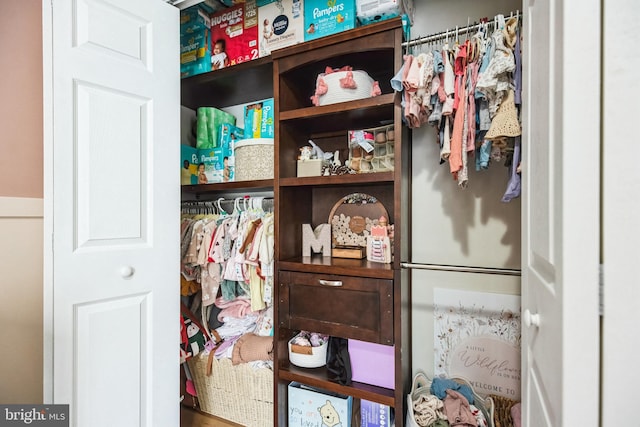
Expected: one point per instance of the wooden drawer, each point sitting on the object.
(343, 306)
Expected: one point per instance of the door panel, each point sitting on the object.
(112, 128)
(94, 321)
(560, 219)
(112, 211)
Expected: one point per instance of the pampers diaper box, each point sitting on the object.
(229, 136)
(189, 161)
(234, 32)
(281, 24)
(195, 41)
(325, 17)
(258, 119)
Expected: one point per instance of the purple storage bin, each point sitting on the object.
(372, 363)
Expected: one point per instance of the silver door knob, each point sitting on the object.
(127, 271)
(531, 318)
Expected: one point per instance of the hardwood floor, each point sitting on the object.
(193, 418)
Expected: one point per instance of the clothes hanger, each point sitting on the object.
(219, 206)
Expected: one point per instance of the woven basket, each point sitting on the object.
(238, 393)
(502, 416)
(254, 159)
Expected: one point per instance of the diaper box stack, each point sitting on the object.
(234, 35)
(326, 17)
(281, 24)
(195, 41)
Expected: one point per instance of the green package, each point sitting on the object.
(209, 120)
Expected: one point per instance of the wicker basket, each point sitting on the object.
(502, 416)
(238, 393)
(254, 159)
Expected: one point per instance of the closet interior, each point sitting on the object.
(455, 223)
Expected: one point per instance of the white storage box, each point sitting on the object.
(308, 357)
(254, 159)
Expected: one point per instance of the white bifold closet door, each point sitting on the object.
(112, 200)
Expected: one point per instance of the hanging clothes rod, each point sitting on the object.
(454, 32)
(461, 269)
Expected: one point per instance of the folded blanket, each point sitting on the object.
(250, 347)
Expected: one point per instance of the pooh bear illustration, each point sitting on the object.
(330, 417)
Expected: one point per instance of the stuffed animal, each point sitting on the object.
(330, 417)
(195, 336)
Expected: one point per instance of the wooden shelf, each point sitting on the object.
(360, 114)
(238, 84)
(341, 297)
(338, 266)
(351, 179)
(318, 378)
(234, 187)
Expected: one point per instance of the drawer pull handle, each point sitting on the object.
(331, 282)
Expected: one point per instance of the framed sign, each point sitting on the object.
(477, 337)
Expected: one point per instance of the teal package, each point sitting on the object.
(229, 136)
(195, 41)
(259, 120)
(326, 17)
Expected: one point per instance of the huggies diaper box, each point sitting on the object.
(195, 41)
(281, 24)
(325, 17)
(234, 35)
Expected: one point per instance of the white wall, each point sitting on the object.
(451, 226)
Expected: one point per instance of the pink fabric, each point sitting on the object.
(347, 81)
(516, 414)
(457, 410)
(460, 65)
(238, 307)
(321, 88)
(471, 106)
(375, 90)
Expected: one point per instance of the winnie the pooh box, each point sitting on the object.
(314, 407)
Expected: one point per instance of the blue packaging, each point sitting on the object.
(229, 136)
(258, 119)
(195, 41)
(326, 17)
(188, 165)
(374, 414)
(370, 11)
